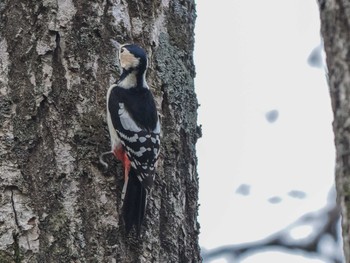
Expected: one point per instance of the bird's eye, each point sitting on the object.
(122, 50)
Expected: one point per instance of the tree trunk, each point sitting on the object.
(335, 28)
(57, 60)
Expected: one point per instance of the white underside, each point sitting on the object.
(115, 141)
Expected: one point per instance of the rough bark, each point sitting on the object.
(335, 28)
(57, 59)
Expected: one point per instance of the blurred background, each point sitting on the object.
(266, 158)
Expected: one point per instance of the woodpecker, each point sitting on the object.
(134, 129)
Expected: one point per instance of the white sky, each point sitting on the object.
(251, 57)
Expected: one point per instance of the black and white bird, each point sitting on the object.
(134, 128)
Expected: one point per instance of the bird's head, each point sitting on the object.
(132, 57)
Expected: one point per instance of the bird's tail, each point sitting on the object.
(134, 202)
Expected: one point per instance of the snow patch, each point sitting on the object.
(301, 232)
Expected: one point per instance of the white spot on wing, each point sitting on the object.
(142, 139)
(130, 139)
(136, 153)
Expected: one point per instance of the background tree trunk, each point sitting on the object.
(335, 28)
(57, 59)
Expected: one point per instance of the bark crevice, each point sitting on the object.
(14, 210)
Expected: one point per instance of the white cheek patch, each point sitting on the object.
(128, 60)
